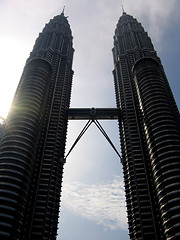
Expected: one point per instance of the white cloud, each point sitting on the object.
(103, 204)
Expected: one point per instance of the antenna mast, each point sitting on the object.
(122, 9)
(63, 9)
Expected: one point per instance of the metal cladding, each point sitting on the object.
(150, 135)
(162, 129)
(33, 141)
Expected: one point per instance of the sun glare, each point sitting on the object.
(13, 56)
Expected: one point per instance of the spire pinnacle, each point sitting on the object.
(123, 10)
(63, 10)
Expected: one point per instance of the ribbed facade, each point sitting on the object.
(1, 129)
(33, 142)
(150, 135)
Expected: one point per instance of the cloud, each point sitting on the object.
(156, 15)
(93, 25)
(103, 204)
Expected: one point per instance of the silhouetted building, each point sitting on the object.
(150, 135)
(33, 140)
(33, 143)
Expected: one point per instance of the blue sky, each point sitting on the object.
(93, 203)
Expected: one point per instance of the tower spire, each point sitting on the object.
(123, 10)
(63, 10)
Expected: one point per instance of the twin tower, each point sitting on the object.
(33, 141)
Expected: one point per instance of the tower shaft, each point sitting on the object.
(135, 95)
(33, 142)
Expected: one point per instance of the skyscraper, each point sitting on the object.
(150, 135)
(33, 142)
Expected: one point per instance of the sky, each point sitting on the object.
(93, 201)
